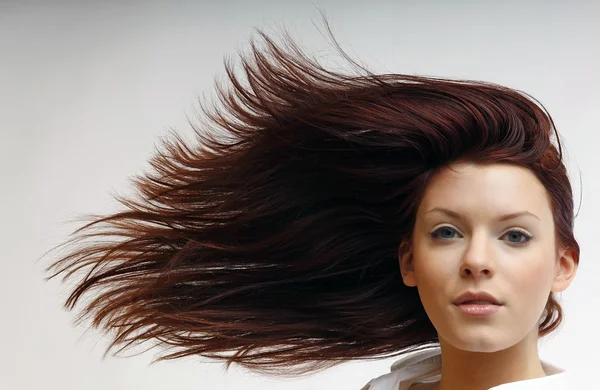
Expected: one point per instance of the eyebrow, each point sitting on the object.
(501, 218)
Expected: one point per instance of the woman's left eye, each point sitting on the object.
(518, 237)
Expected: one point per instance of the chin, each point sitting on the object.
(482, 346)
(480, 340)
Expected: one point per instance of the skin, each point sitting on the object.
(473, 249)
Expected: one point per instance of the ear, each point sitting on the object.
(405, 258)
(566, 268)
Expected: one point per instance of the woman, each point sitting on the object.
(325, 217)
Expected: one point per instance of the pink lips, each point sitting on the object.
(477, 304)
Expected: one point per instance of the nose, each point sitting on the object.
(478, 261)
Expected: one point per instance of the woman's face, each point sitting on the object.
(485, 229)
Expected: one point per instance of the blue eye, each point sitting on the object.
(448, 233)
(443, 233)
(518, 236)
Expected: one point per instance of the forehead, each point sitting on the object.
(493, 188)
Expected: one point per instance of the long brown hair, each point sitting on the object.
(273, 241)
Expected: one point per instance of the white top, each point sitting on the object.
(425, 366)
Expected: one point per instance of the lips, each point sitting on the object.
(476, 298)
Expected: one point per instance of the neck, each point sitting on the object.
(484, 370)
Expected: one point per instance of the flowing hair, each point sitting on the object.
(273, 242)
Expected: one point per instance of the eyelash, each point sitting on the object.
(527, 236)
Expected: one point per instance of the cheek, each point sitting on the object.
(433, 276)
(431, 273)
(435, 266)
(532, 279)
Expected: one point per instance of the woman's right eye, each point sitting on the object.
(443, 233)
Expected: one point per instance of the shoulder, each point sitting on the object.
(422, 364)
(366, 387)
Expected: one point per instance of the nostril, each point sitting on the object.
(468, 272)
